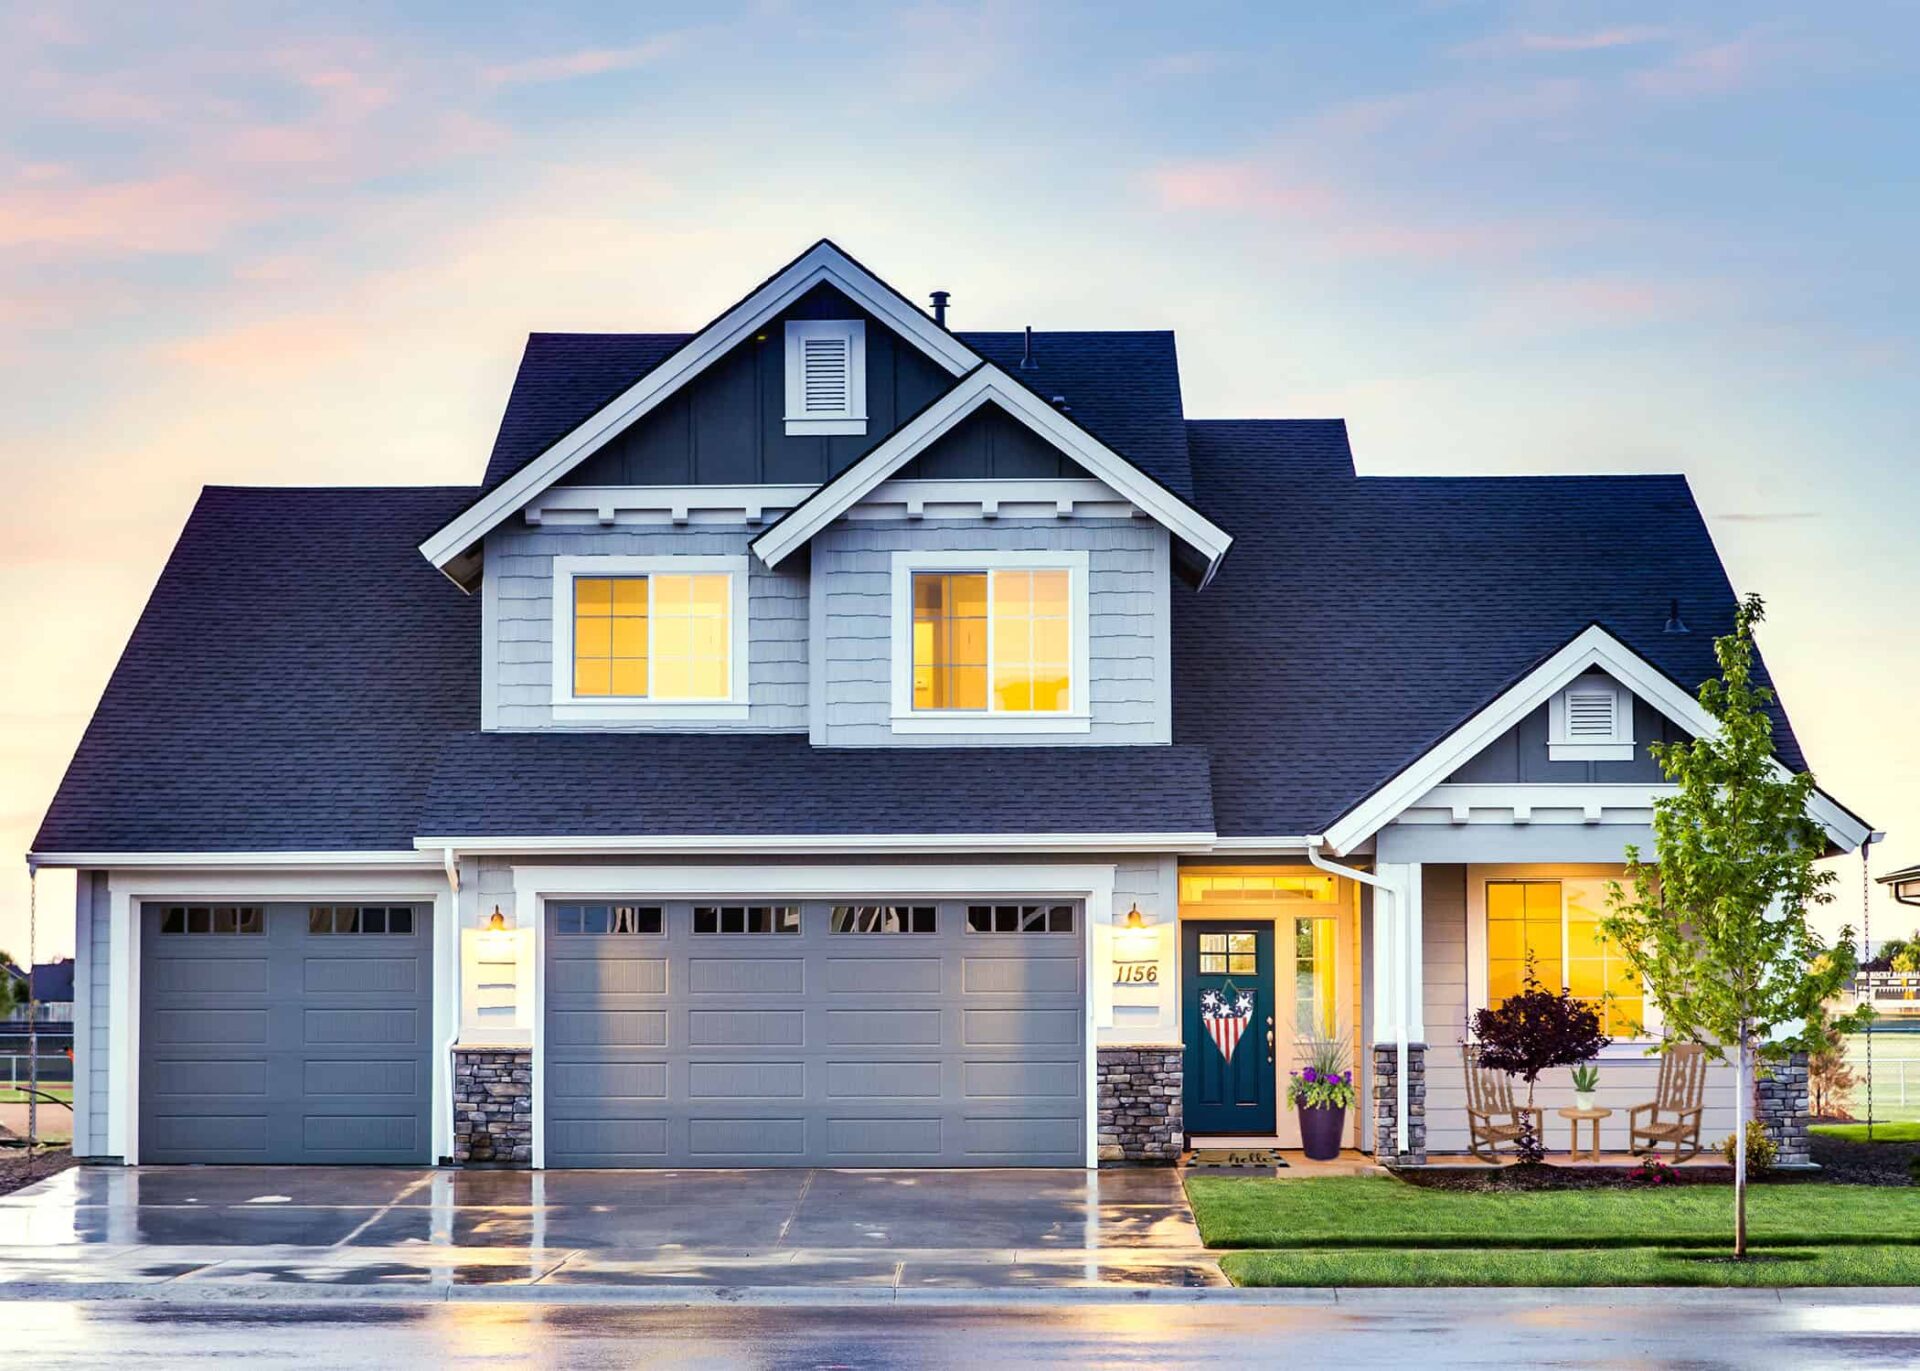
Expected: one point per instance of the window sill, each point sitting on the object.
(992, 723)
(587, 711)
(797, 428)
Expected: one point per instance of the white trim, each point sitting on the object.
(823, 263)
(1532, 802)
(239, 861)
(851, 417)
(83, 1063)
(995, 497)
(566, 705)
(1617, 746)
(1593, 647)
(534, 885)
(608, 506)
(1478, 875)
(126, 891)
(988, 383)
(777, 844)
(1076, 718)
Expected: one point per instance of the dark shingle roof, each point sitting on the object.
(289, 685)
(1365, 618)
(533, 784)
(1124, 388)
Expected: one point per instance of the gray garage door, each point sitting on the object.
(285, 1033)
(806, 1033)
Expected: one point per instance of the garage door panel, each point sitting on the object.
(772, 1080)
(869, 1046)
(746, 1028)
(746, 975)
(870, 976)
(613, 976)
(281, 1033)
(884, 1081)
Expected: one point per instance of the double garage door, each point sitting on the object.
(940, 1033)
(937, 1033)
(286, 1033)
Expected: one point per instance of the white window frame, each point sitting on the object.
(852, 419)
(1563, 748)
(568, 706)
(1074, 719)
(1478, 878)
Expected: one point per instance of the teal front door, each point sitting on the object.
(1227, 1014)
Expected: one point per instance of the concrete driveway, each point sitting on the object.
(106, 1230)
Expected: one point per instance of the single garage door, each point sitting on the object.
(285, 1033)
(807, 1033)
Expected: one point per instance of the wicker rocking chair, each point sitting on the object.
(1493, 1118)
(1673, 1118)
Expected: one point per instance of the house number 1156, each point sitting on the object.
(1136, 973)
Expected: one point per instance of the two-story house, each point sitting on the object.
(829, 737)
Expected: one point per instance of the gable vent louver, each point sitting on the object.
(826, 371)
(1591, 715)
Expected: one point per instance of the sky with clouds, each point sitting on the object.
(295, 245)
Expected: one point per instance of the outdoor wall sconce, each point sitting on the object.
(498, 922)
(1136, 950)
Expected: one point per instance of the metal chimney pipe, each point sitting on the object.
(940, 298)
(1026, 356)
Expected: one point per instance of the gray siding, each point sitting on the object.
(1443, 932)
(1520, 754)
(1127, 604)
(93, 936)
(728, 425)
(519, 563)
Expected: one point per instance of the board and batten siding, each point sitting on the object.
(1626, 1078)
(1129, 697)
(518, 603)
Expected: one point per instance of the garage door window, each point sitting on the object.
(220, 919)
(1019, 918)
(607, 920)
(751, 918)
(349, 920)
(883, 918)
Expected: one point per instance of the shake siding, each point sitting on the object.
(1127, 605)
(520, 564)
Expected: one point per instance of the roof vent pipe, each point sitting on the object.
(1675, 624)
(940, 298)
(1026, 356)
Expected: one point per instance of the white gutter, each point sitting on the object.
(1396, 974)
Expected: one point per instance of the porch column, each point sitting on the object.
(1398, 1093)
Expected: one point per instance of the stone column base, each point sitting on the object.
(493, 1106)
(1386, 1094)
(1780, 1102)
(1140, 1104)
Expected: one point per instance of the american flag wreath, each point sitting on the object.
(1226, 1018)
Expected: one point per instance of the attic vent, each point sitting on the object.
(1591, 721)
(826, 376)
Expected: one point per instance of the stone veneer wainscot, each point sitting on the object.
(1386, 1073)
(1140, 1104)
(492, 1106)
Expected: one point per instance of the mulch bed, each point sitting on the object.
(16, 1170)
(1859, 1163)
(1547, 1176)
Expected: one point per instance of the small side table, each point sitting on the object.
(1574, 1118)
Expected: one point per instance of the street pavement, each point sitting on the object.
(1693, 1330)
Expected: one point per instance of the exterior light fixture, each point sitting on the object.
(498, 922)
(1135, 919)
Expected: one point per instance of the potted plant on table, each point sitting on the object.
(1586, 1080)
(1321, 1092)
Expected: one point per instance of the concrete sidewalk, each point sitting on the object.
(266, 1232)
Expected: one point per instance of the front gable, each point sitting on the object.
(455, 547)
(1500, 763)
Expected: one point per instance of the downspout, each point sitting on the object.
(1397, 978)
(457, 975)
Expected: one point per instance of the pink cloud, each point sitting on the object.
(180, 212)
(586, 62)
(1709, 70)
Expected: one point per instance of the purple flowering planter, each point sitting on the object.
(1320, 1130)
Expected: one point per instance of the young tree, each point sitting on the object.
(1717, 929)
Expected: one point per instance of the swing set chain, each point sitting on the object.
(1866, 937)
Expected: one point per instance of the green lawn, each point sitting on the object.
(1365, 1230)
(63, 1091)
(1882, 1132)
(1588, 1266)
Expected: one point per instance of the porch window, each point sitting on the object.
(1558, 924)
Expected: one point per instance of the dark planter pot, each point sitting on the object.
(1320, 1131)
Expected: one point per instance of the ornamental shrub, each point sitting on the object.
(1761, 1151)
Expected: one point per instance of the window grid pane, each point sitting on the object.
(746, 919)
(1020, 918)
(610, 636)
(949, 640)
(1030, 642)
(1522, 917)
